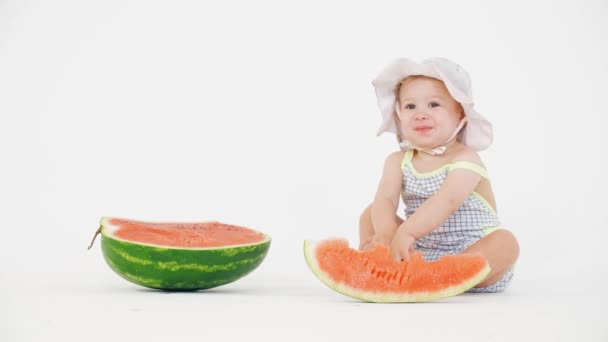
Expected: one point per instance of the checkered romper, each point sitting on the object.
(474, 219)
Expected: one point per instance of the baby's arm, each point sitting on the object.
(457, 186)
(386, 201)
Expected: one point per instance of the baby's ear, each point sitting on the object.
(397, 122)
(399, 132)
(461, 111)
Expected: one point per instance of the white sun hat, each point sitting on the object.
(477, 133)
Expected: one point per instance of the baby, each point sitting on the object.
(450, 207)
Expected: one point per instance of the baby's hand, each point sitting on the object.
(402, 245)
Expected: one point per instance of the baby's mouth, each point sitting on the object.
(423, 129)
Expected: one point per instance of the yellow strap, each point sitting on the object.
(407, 156)
(469, 166)
(490, 230)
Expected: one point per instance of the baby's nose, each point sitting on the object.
(421, 116)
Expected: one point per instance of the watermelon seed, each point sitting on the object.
(94, 237)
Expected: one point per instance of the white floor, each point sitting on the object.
(100, 306)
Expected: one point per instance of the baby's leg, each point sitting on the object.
(501, 250)
(366, 227)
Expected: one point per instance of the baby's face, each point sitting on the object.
(428, 114)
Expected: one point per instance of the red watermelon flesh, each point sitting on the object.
(375, 276)
(185, 235)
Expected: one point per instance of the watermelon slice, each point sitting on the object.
(374, 276)
(180, 256)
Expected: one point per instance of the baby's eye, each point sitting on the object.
(433, 104)
(410, 106)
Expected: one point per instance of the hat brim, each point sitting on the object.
(478, 133)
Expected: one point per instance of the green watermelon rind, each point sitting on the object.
(179, 269)
(386, 297)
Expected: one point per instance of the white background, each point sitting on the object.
(262, 114)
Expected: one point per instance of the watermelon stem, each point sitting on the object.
(94, 237)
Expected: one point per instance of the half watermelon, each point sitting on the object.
(181, 256)
(374, 276)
